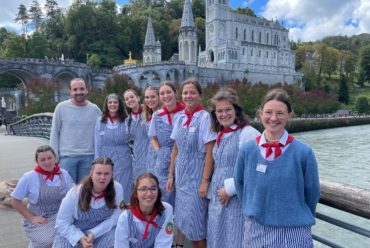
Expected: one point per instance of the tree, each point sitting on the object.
(35, 14)
(343, 94)
(362, 104)
(52, 9)
(365, 62)
(22, 17)
(330, 61)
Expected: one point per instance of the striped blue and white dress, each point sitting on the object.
(112, 140)
(86, 221)
(72, 223)
(136, 236)
(42, 235)
(226, 224)
(190, 208)
(163, 132)
(138, 130)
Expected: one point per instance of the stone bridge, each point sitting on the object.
(60, 70)
(152, 74)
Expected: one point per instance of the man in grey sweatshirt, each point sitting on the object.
(72, 131)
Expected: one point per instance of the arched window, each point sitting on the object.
(267, 38)
(236, 33)
(260, 37)
(245, 34)
(252, 36)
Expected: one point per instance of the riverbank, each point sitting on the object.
(309, 124)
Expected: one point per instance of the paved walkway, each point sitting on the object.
(16, 157)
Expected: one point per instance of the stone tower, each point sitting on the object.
(152, 49)
(217, 26)
(188, 40)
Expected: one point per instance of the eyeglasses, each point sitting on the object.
(145, 190)
(279, 114)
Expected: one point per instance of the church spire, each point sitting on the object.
(149, 37)
(187, 15)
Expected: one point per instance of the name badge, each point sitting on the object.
(102, 133)
(261, 168)
(191, 129)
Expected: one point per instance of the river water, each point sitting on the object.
(343, 155)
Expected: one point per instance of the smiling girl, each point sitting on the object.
(147, 222)
(112, 140)
(277, 181)
(225, 218)
(191, 165)
(44, 186)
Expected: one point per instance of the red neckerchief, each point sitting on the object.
(138, 112)
(149, 119)
(99, 196)
(137, 213)
(49, 174)
(222, 132)
(179, 106)
(112, 118)
(190, 114)
(276, 145)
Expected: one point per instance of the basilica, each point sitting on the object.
(238, 46)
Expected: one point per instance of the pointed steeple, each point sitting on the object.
(149, 37)
(187, 15)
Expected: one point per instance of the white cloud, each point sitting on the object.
(311, 20)
(9, 10)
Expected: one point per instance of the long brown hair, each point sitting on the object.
(148, 112)
(121, 112)
(230, 95)
(134, 201)
(87, 187)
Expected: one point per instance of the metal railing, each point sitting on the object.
(37, 125)
(351, 199)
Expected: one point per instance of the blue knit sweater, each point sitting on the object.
(286, 194)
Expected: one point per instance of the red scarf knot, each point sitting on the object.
(190, 114)
(112, 118)
(137, 213)
(179, 106)
(276, 145)
(49, 174)
(223, 131)
(99, 196)
(138, 112)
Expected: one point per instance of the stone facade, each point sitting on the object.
(237, 46)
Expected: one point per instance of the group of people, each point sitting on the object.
(145, 170)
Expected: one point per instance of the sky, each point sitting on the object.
(307, 20)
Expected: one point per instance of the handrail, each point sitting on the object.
(348, 198)
(37, 125)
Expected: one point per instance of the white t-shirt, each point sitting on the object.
(29, 185)
(68, 212)
(205, 134)
(152, 128)
(248, 133)
(164, 238)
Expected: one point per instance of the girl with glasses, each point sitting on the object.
(277, 181)
(147, 222)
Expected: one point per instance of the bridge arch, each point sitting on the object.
(149, 77)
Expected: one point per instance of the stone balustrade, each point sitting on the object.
(37, 125)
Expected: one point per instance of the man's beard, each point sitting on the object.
(80, 98)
